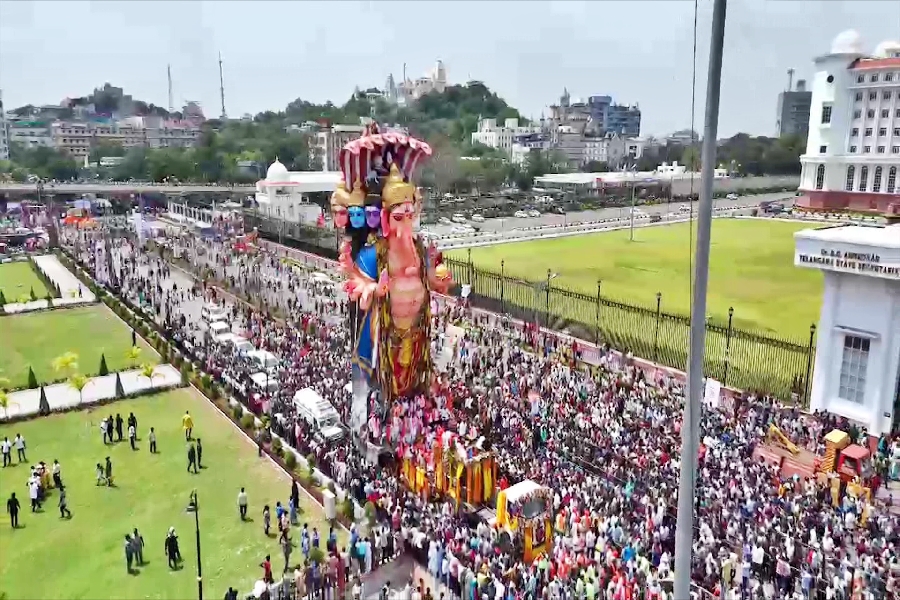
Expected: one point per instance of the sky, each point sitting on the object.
(639, 52)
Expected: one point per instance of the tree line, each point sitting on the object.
(238, 151)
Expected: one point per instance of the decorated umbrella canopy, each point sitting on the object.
(375, 149)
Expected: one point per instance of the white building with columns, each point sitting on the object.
(857, 365)
(852, 153)
(283, 194)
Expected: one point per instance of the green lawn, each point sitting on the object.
(84, 558)
(751, 270)
(17, 279)
(38, 338)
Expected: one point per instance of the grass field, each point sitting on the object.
(751, 269)
(83, 557)
(17, 279)
(38, 338)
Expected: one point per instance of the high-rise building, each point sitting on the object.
(4, 132)
(793, 111)
(853, 149)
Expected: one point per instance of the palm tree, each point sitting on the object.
(132, 355)
(67, 363)
(148, 371)
(5, 402)
(79, 382)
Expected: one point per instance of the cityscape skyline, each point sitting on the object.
(762, 42)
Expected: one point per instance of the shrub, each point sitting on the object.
(265, 421)
(316, 555)
(311, 460)
(185, 373)
(2, 298)
(205, 381)
(104, 370)
(32, 379)
(214, 392)
(247, 421)
(237, 412)
(330, 487)
(371, 513)
(347, 509)
(33, 295)
(290, 460)
(276, 444)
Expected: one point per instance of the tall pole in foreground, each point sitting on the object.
(690, 427)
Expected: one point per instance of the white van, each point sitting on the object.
(241, 345)
(266, 383)
(210, 313)
(225, 338)
(319, 413)
(264, 360)
(218, 328)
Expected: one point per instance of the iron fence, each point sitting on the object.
(736, 357)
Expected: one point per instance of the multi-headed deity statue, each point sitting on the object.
(390, 273)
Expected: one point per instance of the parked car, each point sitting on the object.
(458, 218)
(521, 214)
(444, 221)
(478, 218)
(731, 197)
(533, 213)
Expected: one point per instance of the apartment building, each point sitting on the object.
(78, 138)
(329, 142)
(502, 137)
(852, 154)
(31, 134)
(793, 110)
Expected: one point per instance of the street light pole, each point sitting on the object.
(690, 427)
(631, 228)
(194, 507)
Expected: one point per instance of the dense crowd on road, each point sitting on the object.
(606, 440)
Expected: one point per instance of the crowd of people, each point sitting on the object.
(605, 440)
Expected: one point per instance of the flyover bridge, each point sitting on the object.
(121, 188)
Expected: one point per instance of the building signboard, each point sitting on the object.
(861, 263)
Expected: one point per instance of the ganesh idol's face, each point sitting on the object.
(357, 216)
(402, 219)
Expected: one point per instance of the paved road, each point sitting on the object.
(511, 223)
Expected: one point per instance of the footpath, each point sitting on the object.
(62, 396)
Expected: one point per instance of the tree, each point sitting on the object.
(690, 158)
(78, 382)
(66, 363)
(148, 371)
(32, 379)
(120, 391)
(132, 355)
(595, 166)
(5, 403)
(104, 370)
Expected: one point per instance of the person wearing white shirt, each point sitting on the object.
(132, 435)
(5, 447)
(20, 447)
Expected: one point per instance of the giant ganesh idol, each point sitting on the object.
(390, 274)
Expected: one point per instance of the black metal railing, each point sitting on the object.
(736, 357)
